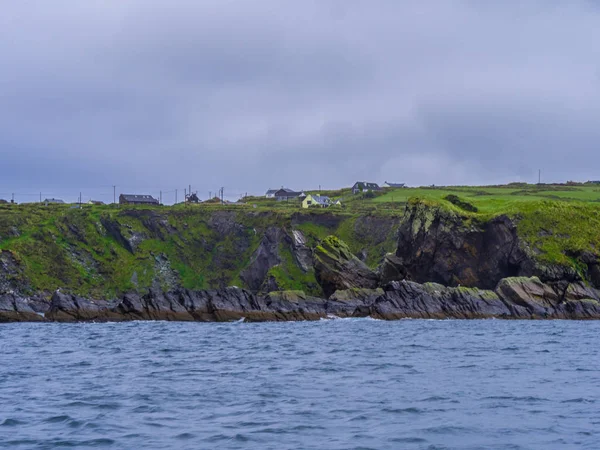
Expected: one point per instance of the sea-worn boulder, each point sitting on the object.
(336, 268)
(354, 294)
(14, 308)
(529, 298)
(72, 308)
(407, 299)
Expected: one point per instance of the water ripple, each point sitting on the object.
(335, 384)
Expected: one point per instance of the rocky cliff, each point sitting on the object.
(431, 261)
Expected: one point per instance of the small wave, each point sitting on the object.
(579, 400)
(185, 436)
(12, 423)
(58, 419)
(411, 410)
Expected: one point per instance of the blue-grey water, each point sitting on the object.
(336, 384)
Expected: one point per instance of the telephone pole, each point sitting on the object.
(160, 198)
(175, 196)
(222, 189)
(114, 194)
(540, 176)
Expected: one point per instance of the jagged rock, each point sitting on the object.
(406, 299)
(336, 268)
(10, 273)
(392, 269)
(438, 245)
(129, 239)
(517, 298)
(302, 252)
(538, 298)
(530, 298)
(14, 308)
(71, 308)
(360, 294)
(265, 257)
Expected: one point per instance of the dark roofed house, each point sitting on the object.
(56, 201)
(393, 185)
(271, 193)
(131, 199)
(364, 186)
(284, 195)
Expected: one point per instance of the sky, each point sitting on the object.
(151, 96)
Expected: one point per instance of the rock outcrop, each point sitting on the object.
(438, 245)
(336, 268)
(514, 298)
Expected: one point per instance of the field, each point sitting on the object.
(497, 199)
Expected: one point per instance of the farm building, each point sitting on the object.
(393, 185)
(134, 199)
(364, 186)
(284, 195)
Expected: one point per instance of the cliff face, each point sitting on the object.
(440, 245)
(185, 264)
(104, 253)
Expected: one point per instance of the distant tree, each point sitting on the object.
(193, 198)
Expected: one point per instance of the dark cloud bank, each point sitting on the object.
(152, 95)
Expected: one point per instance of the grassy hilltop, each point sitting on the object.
(103, 250)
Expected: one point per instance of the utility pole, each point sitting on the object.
(114, 194)
(13, 198)
(160, 198)
(175, 196)
(210, 195)
(40, 197)
(540, 176)
(222, 194)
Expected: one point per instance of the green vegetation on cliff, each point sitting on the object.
(102, 251)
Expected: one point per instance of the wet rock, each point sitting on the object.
(336, 268)
(72, 308)
(14, 308)
(406, 299)
(356, 294)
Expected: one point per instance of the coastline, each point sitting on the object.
(513, 298)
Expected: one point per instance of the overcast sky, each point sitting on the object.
(154, 95)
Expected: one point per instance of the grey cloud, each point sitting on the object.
(249, 95)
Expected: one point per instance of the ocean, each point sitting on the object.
(332, 384)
